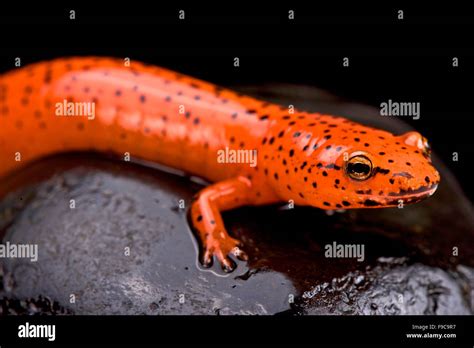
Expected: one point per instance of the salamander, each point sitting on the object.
(252, 151)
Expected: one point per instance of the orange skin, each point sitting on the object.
(165, 117)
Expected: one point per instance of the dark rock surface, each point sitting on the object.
(409, 267)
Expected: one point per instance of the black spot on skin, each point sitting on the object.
(291, 123)
(286, 117)
(333, 166)
(356, 140)
(296, 134)
(281, 134)
(232, 140)
(366, 145)
(338, 205)
(319, 165)
(328, 147)
(284, 162)
(199, 218)
(212, 222)
(381, 153)
(371, 203)
(337, 181)
(168, 98)
(315, 146)
(264, 117)
(142, 98)
(427, 179)
(234, 115)
(118, 93)
(325, 174)
(196, 121)
(306, 147)
(345, 203)
(47, 76)
(327, 137)
(381, 171)
(408, 164)
(314, 184)
(339, 148)
(303, 165)
(390, 161)
(326, 204)
(392, 181)
(264, 141)
(301, 195)
(288, 187)
(292, 152)
(272, 139)
(280, 148)
(187, 114)
(197, 97)
(265, 171)
(275, 176)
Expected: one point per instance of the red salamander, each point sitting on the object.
(253, 151)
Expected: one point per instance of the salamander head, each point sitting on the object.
(393, 171)
(362, 167)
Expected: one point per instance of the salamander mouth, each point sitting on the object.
(406, 196)
(427, 190)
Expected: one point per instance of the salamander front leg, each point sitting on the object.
(207, 221)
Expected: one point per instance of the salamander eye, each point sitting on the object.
(359, 167)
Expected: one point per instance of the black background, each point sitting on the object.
(403, 60)
(408, 60)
